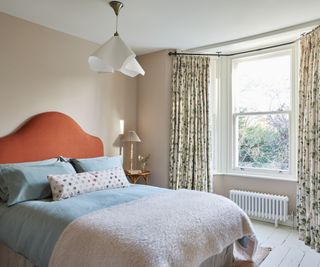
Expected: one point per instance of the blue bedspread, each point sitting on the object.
(32, 228)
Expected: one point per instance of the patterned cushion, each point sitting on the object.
(112, 178)
(70, 185)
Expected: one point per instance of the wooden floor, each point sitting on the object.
(287, 249)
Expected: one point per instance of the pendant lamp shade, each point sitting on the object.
(115, 55)
(132, 69)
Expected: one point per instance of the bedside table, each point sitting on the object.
(135, 177)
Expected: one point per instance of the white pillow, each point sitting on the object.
(70, 185)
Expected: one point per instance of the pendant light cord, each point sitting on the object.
(116, 33)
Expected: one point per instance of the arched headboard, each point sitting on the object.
(48, 135)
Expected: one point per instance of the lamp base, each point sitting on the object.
(131, 156)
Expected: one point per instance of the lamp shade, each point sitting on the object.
(115, 55)
(131, 136)
(132, 69)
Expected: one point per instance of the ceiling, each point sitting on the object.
(150, 25)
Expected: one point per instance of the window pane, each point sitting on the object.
(263, 141)
(262, 84)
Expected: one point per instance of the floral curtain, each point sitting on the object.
(190, 150)
(308, 209)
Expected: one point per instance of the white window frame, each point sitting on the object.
(225, 133)
(214, 102)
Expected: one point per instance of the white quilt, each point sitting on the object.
(178, 228)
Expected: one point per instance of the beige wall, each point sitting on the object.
(153, 109)
(46, 70)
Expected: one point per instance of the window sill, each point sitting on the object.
(259, 176)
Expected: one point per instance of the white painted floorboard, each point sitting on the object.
(287, 249)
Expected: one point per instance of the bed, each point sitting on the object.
(146, 227)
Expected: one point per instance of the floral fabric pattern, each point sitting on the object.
(308, 206)
(190, 149)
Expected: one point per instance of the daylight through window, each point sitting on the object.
(261, 111)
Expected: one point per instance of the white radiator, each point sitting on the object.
(260, 205)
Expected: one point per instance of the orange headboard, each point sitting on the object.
(48, 135)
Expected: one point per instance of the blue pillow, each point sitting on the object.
(25, 183)
(4, 194)
(31, 163)
(96, 164)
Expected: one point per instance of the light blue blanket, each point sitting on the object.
(32, 228)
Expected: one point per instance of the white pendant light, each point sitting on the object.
(115, 55)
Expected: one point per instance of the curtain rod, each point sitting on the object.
(230, 54)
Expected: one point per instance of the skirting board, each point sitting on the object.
(291, 222)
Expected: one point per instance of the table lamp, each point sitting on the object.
(131, 137)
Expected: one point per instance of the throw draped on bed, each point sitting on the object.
(190, 150)
(309, 141)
